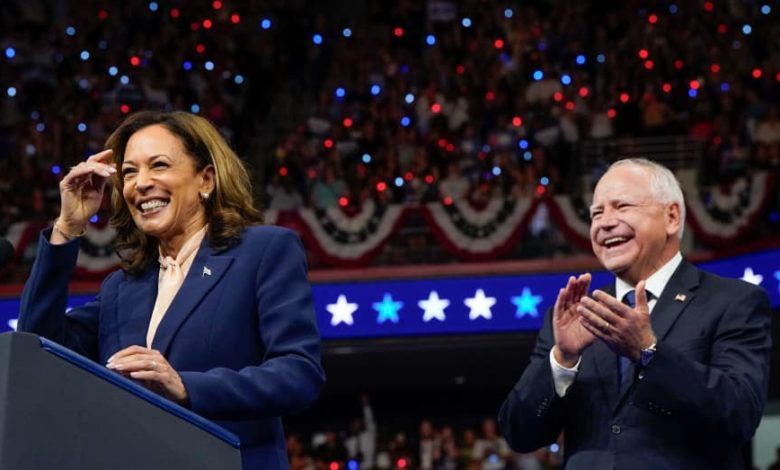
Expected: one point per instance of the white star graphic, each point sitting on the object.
(12, 323)
(752, 277)
(480, 305)
(434, 307)
(342, 311)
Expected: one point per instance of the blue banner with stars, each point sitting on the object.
(459, 305)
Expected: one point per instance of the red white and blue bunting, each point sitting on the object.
(717, 216)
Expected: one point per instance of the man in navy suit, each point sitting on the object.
(667, 368)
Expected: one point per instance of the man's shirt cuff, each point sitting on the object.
(563, 377)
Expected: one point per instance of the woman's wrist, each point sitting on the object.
(68, 233)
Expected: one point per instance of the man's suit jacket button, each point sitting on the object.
(615, 429)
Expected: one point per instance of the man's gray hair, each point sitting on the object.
(663, 185)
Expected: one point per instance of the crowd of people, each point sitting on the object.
(397, 102)
(364, 445)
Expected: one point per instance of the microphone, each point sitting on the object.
(7, 252)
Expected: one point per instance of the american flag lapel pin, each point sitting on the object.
(206, 271)
(679, 297)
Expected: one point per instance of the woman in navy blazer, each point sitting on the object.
(238, 342)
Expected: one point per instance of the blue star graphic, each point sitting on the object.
(526, 303)
(388, 309)
(777, 276)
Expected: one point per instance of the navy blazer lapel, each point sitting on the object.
(677, 294)
(206, 271)
(135, 302)
(675, 297)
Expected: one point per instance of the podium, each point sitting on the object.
(60, 410)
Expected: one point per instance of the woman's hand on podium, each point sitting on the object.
(150, 367)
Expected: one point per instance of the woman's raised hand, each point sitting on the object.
(81, 193)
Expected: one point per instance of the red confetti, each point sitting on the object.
(398, 31)
(611, 113)
(207, 24)
(649, 64)
(624, 97)
(517, 121)
(498, 43)
(135, 61)
(175, 13)
(435, 107)
(756, 73)
(216, 4)
(652, 19)
(235, 18)
(283, 171)
(328, 143)
(347, 122)
(381, 186)
(124, 109)
(200, 48)
(643, 53)
(667, 87)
